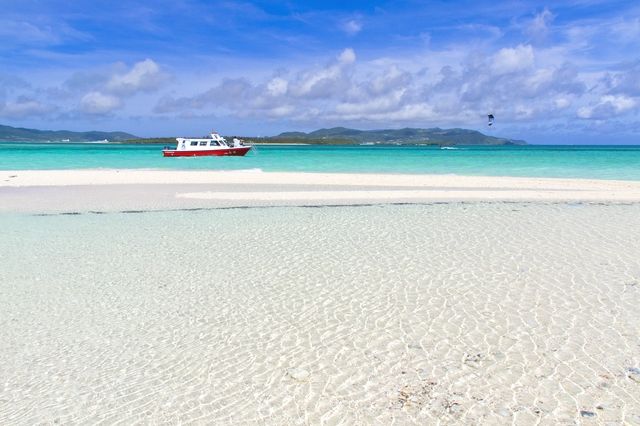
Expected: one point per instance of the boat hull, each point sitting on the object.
(236, 152)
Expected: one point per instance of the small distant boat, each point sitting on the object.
(214, 145)
(66, 140)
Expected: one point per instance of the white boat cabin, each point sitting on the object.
(204, 144)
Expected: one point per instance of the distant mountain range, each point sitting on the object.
(433, 136)
(18, 134)
(333, 136)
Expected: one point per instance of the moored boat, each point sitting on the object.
(214, 145)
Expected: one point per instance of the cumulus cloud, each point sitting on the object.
(281, 111)
(229, 93)
(519, 62)
(99, 92)
(103, 91)
(517, 82)
(277, 86)
(509, 82)
(24, 107)
(561, 102)
(390, 80)
(509, 60)
(379, 104)
(415, 112)
(99, 103)
(279, 96)
(608, 106)
(144, 76)
(326, 81)
(319, 83)
(348, 56)
(619, 103)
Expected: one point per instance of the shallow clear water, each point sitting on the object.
(601, 162)
(495, 313)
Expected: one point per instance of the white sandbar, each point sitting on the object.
(57, 190)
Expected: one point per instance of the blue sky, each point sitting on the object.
(565, 72)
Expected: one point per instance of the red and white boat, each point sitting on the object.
(213, 145)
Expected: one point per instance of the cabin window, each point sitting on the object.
(214, 143)
(194, 143)
(203, 143)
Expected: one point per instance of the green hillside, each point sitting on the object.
(19, 134)
(332, 136)
(433, 136)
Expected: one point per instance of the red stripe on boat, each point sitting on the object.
(240, 151)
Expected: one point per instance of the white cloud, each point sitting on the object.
(348, 56)
(561, 102)
(144, 76)
(454, 85)
(327, 81)
(525, 62)
(608, 106)
(389, 102)
(584, 112)
(102, 91)
(318, 83)
(391, 79)
(229, 93)
(619, 103)
(540, 77)
(99, 103)
(352, 26)
(538, 27)
(419, 112)
(508, 83)
(509, 60)
(627, 30)
(277, 86)
(280, 111)
(24, 107)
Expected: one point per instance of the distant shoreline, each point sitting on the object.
(260, 143)
(278, 143)
(329, 136)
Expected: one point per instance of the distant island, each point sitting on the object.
(433, 136)
(19, 134)
(332, 136)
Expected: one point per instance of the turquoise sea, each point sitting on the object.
(599, 162)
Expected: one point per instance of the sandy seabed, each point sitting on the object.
(465, 312)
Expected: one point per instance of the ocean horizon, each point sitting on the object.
(619, 162)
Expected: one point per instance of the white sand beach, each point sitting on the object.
(417, 300)
(108, 190)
